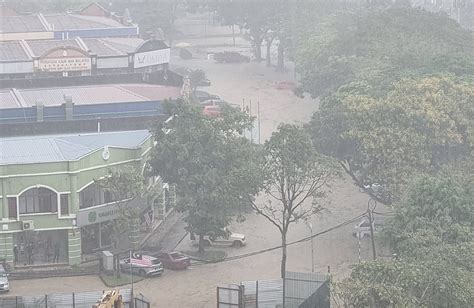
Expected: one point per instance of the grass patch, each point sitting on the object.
(207, 256)
(111, 280)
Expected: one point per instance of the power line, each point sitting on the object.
(251, 254)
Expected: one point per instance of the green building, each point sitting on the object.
(51, 207)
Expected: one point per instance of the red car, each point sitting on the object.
(174, 260)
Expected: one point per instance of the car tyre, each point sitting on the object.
(237, 244)
(206, 243)
(142, 273)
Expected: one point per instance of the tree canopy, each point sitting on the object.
(211, 163)
(381, 47)
(432, 235)
(419, 126)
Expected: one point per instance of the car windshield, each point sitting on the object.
(175, 255)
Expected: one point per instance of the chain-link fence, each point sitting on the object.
(68, 300)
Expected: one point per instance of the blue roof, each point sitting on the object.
(60, 148)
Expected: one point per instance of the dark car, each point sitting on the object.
(174, 260)
(203, 96)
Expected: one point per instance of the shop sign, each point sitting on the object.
(98, 214)
(149, 58)
(65, 64)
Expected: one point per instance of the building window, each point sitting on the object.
(94, 195)
(64, 200)
(38, 200)
(12, 213)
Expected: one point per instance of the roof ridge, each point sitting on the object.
(53, 143)
(111, 47)
(60, 139)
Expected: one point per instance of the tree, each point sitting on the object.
(432, 236)
(123, 186)
(196, 77)
(153, 15)
(211, 163)
(380, 47)
(295, 179)
(418, 127)
(255, 16)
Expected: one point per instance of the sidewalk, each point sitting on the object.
(167, 235)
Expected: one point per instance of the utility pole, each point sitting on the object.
(310, 225)
(371, 204)
(131, 277)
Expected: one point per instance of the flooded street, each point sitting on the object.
(196, 287)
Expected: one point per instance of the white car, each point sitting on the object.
(142, 265)
(362, 229)
(234, 240)
(4, 284)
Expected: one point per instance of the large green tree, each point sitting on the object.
(295, 180)
(417, 127)
(211, 163)
(380, 47)
(432, 236)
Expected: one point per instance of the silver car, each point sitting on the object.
(4, 284)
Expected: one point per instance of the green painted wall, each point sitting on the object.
(63, 177)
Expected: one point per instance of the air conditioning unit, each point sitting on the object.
(28, 225)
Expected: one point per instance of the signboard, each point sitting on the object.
(149, 58)
(65, 64)
(106, 212)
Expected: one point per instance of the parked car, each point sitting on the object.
(213, 107)
(174, 260)
(285, 85)
(204, 83)
(233, 239)
(362, 229)
(4, 284)
(230, 57)
(202, 96)
(142, 265)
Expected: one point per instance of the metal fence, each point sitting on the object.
(301, 290)
(68, 300)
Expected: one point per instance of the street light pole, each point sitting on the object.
(131, 276)
(310, 225)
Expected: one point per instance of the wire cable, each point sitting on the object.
(251, 254)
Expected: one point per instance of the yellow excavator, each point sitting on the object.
(110, 299)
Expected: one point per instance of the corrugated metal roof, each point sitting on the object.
(83, 95)
(39, 47)
(101, 49)
(60, 148)
(62, 22)
(23, 23)
(93, 94)
(8, 100)
(12, 51)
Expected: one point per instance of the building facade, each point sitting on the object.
(52, 209)
(81, 57)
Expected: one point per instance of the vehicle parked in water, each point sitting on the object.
(174, 260)
(142, 265)
(233, 239)
(4, 283)
(213, 107)
(202, 96)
